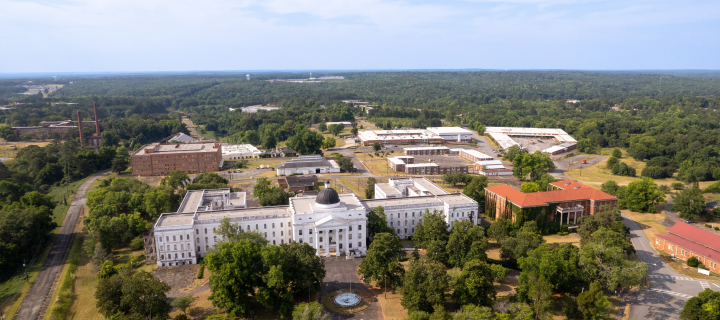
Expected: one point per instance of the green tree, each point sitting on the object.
(607, 217)
(559, 265)
(642, 196)
(513, 152)
(335, 129)
(119, 165)
(376, 146)
(136, 295)
(377, 222)
(328, 143)
(612, 162)
(424, 285)
(107, 270)
(457, 177)
(309, 311)
(370, 190)
(305, 142)
(617, 153)
(437, 251)
(593, 304)
(585, 145)
(607, 264)
(705, 306)
(475, 285)
(262, 186)
(175, 179)
(269, 142)
(183, 303)
(232, 232)
(540, 296)
(476, 190)
(499, 230)
(236, 272)
(463, 237)
(277, 197)
(431, 227)
(526, 239)
(544, 182)
(354, 131)
(322, 127)
(529, 187)
(610, 187)
(345, 164)
(382, 261)
(535, 165)
(689, 202)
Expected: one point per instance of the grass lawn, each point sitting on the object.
(681, 267)
(573, 238)
(648, 222)
(267, 174)
(493, 251)
(358, 185)
(389, 302)
(7, 151)
(366, 156)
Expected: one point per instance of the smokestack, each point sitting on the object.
(97, 124)
(82, 139)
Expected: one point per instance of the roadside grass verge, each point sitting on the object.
(59, 306)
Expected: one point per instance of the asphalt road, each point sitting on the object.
(40, 292)
(668, 289)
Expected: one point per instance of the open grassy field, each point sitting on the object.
(10, 149)
(573, 238)
(598, 173)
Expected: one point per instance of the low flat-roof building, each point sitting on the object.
(432, 150)
(432, 135)
(239, 151)
(157, 159)
(683, 241)
(309, 164)
(474, 155)
(502, 135)
(569, 201)
(456, 134)
(432, 168)
(344, 123)
(398, 163)
(492, 168)
(181, 137)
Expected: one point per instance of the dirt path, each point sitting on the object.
(35, 302)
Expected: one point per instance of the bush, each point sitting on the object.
(677, 186)
(717, 228)
(137, 243)
(693, 262)
(657, 172)
(701, 266)
(612, 162)
(563, 233)
(201, 273)
(617, 153)
(708, 226)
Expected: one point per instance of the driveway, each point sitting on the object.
(668, 289)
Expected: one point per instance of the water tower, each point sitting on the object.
(248, 77)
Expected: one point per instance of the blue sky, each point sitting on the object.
(180, 35)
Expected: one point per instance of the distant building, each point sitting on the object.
(683, 241)
(502, 136)
(438, 135)
(573, 101)
(398, 163)
(332, 78)
(492, 168)
(434, 150)
(239, 151)
(278, 153)
(432, 168)
(567, 202)
(254, 109)
(309, 164)
(193, 157)
(473, 155)
(344, 123)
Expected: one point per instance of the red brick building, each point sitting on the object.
(299, 182)
(159, 159)
(417, 151)
(568, 201)
(398, 163)
(432, 168)
(684, 241)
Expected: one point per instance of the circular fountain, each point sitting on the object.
(347, 300)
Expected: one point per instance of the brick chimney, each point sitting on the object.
(97, 124)
(82, 139)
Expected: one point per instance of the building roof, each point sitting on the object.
(327, 196)
(690, 245)
(489, 162)
(476, 154)
(423, 164)
(448, 130)
(544, 198)
(697, 235)
(157, 148)
(305, 161)
(426, 148)
(301, 181)
(181, 137)
(388, 189)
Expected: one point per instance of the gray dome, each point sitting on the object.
(327, 196)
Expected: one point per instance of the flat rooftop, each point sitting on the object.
(443, 160)
(426, 200)
(448, 130)
(426, 148)
(388, 189)
(476, 153)
(157, 148)
(456, 199)
(427, 185)
(177, 219)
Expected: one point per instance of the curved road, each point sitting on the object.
(668, 290)
(35, 302)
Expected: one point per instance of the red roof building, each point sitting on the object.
(568, 201)
(684, 241)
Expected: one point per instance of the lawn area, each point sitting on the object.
(379, 167)
(648, 222)
(358, 185)
(573, 238)
(681, 267)
(389, 302)
(598, 173)
(369, 156)
(267, 174)
(7, 151)
(493, 251)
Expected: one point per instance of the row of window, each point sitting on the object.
(170, 256)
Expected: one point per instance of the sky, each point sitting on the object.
(180, 35)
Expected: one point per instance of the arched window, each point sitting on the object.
(405, 214)
(167, 238)
(180, 237)
(197, 231)
(273, 233)
(162, 257)
(309, 231)
(273, 241)
(281, 233)
(300, 232)
(182, 255)
(213, 230)
(265, 234)
(174, 247)
(398, 230)
(214, 238)
(248, 227)
(205, 230)
(413, 214)
(198, 248)
(182, 247)
(280, 224)
(206, 240)
(265, 226)
(282, 241)
(359, 227)
(176, 256)
(398, 214)
(273, 225)
(256, 227)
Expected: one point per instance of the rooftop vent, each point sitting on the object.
(567, 183)
(577, 187)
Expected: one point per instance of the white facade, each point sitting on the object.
(451, 133)
(311, 164)
(502, 135)
(239, 151)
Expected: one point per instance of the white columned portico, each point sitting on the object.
(327, 242)
(337, 242)
(346, 241)
(317, 244)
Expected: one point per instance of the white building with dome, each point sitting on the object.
(332, 223)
